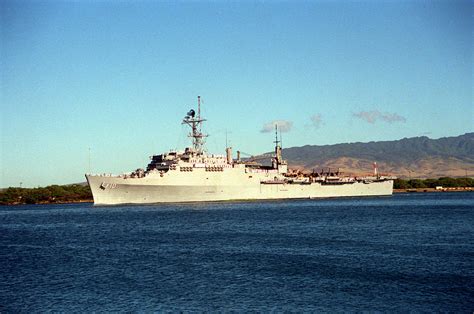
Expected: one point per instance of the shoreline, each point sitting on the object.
(395, 191)
(51, 203)
(433, 190)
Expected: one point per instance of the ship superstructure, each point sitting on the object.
(193, 175)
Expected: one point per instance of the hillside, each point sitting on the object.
(419, 157)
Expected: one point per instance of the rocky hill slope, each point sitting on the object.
(417, 157)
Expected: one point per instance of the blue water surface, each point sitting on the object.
(409, 252)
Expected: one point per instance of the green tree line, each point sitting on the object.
(445, 182)
(49, 194)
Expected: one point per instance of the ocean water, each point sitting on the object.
(408, 252)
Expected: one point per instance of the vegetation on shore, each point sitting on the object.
(445, 182)
(45, 195)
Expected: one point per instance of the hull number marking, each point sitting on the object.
(104, 185)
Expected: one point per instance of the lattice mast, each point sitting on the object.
(196, 124)
(278, 157)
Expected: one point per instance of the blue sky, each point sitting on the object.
(118, 77)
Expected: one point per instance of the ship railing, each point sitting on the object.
(250, 170)
(101, 175)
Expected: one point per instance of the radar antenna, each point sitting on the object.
(195, 123)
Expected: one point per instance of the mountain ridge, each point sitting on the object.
(408, 157)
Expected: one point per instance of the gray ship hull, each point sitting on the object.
(113, 190)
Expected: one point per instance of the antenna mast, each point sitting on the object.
(199, 111)
(278, 158)
(226, 145)
(276, 135)
(281, 139)
(195, 123)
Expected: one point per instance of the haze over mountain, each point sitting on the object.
(417, 157)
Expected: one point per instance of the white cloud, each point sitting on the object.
(375, 115)
(392, 117)
(316, 120)
(283, 126)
